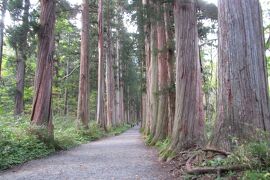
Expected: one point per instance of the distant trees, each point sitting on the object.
(42, 102)
(243, 93)
(55, 39)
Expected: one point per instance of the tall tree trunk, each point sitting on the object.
(2, 27)
(141, 56)
(243, 105)
(110, 76)
(41, 112)
(154, 73)
(162, 118)
(121, 92)
(82, 111)
(147, 29)
(21, 58)
(117, 76)
(168, 10)
(117, 90)
(188, 129)
(101, 75)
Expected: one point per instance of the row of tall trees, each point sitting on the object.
(243, 100)
(59, 69)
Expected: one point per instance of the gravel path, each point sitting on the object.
(120, 157)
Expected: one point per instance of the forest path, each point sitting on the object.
(119, 157)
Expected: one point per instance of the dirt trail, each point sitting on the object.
(120, 157)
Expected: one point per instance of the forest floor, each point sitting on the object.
(120, 157)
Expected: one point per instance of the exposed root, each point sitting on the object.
(216, 151)
(211, 170)
(188, 162)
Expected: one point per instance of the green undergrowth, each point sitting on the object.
(18, 144)
(162, 146)
(254, 155)
(148, 139)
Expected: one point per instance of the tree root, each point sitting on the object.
(216, 151)
(211, 170)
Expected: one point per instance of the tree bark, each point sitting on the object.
(119, 118)
(109, 74)
(243, 105)
(82, 111)
(21, 57)
(162, 118)
(147, 32)
(100, 99)
(2, 27)
(168, 10)
(154, 73)
(188, 129)
(41, 112)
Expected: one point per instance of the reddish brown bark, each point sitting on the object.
(188, 129)
(243, 102)
(162, 118)
(82, 111)
(41, 112)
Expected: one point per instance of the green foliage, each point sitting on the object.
(217, 161)
(19, 144)
(253, 154)
(149, 139)
(258, 175)
(167, 154)
(162, 145)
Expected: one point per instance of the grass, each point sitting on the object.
(18, 144)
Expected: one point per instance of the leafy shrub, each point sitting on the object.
(17, 145)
